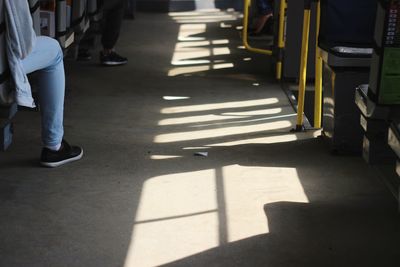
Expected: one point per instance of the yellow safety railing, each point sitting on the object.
(318, 75)
(247, 4)
(281, 35)
(281, 38)
(303, 70)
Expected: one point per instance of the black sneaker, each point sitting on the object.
(112, 59)
(67, 153)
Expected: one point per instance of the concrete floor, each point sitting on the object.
(140, 197)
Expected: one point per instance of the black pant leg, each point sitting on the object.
(112, 21)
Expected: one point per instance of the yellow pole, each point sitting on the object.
(318, 75)
(303, 68)
(281, 39)
(279, 70)
(247, 4)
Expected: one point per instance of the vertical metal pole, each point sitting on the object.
(303, 65)
(281, 39)
(318, 75)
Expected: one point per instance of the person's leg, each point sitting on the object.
(265, 12)
(261, 23)
(112, 21)
(113, 14)
(47, 57)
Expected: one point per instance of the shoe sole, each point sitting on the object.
(59, 163)
(112, 63)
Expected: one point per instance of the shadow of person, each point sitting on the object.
(316, 234)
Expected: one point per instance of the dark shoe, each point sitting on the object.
(112, 59)
(84, 55)
(67, 153)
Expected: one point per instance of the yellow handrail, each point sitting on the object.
(281, 39)
(318, 75)
(247, 4)
(303, 69)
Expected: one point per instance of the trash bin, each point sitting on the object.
(346, 41)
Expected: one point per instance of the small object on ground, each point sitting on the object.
(201, 154)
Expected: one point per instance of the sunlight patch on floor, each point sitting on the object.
(173, 97)
(257, 112)
(222, 132)
(274, 139)
(223, 105)
(197, 119)
(183, 214)
(187, 31)
(248, 189)
(187, 70)
(220, 42)
(261, 140)
(218, 117)
(193, 50)
(205, 16)
(161, 157)
(177, 194)
(223, 66)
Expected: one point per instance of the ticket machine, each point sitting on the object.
(379, 101)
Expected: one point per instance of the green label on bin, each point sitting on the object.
(390, 81)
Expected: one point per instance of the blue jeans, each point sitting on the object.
(47, 59)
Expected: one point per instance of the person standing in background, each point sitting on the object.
(113, 14)
(265, 12)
